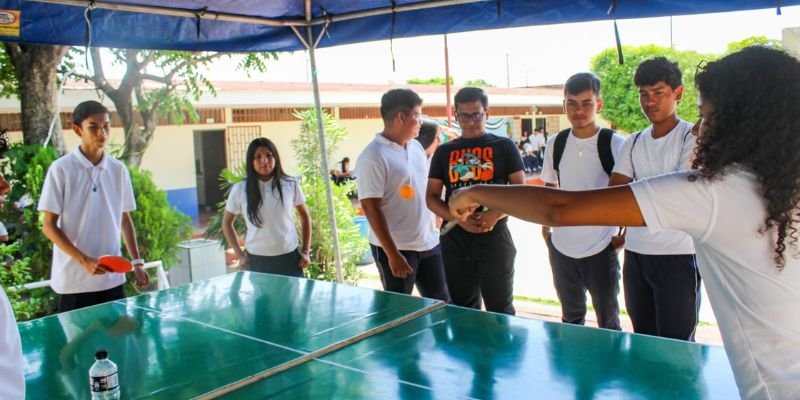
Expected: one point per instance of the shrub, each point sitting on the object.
(159, 226)
(30, 253)
(351, 244)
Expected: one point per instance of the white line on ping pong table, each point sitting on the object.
(306, 356)
(318, 353)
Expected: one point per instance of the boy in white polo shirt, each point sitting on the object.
(583, 257)
(392, 175)
(86, 201)
(662, 284)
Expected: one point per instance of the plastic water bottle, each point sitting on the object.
(103, 379)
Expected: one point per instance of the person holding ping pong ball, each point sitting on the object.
(392, 174)
(478, 252)
(86, 202)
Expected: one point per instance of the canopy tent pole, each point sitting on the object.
(448, 106)
(311, 44)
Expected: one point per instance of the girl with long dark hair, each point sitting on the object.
(266, 198)
(741, 206)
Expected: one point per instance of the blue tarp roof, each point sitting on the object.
(65, 24)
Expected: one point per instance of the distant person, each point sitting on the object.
(12, 365)
(429, 137)
(267, 199)
(86, 203)
(583, 258)
(478, 253)
(740, 207)
(529, 159)
(391, 186)
(661, 281)
(538, 143)
(342, 172)
(525, 137)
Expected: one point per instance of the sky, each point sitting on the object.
(518, 56)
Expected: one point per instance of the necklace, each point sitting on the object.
(95, 179)
(579, 143)
(580, 148)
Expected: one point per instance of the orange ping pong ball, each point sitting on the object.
(406, 192)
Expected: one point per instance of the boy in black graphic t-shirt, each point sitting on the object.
(479, 252)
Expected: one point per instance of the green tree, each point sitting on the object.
(29, 72)
(478, 83)
(179, 79)
(351, 245)
(753, 41)
(428, 81)
(621, 97)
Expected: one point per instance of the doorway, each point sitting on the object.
(527, 126)
(209, 161)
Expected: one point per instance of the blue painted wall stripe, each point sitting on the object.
(185, 200)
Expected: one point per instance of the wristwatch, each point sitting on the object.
(137, 261)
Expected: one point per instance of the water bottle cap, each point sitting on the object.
(101, 354)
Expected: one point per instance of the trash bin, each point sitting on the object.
(363, 228)
(198, 259)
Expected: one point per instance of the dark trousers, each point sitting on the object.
(74, 301)
(599, 274)
(285, 264)
(427, 273)
(662, 294)
(530, 163)
(481, 265)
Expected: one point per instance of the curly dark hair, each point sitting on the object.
(753, 124)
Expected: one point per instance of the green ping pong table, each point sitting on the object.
(252, 336)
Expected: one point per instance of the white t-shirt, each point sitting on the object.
(12, 374)
(277, 234)
(3, 230)
(643, 156)
(756, 306)
(581, 169)
(383, 168)
(537, 141)
(90, 200)
(528, 148)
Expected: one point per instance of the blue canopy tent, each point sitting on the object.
(282, 25)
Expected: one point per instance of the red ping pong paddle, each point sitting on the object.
(116, 263)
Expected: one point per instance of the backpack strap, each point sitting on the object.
(604, 150)
(633, 145)
(558, 149)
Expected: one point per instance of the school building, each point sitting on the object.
(186, 159)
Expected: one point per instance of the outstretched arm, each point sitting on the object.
(615, 206)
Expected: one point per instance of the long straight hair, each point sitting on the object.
(254, 199)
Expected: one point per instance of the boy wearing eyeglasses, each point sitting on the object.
(583, 257)
(662, 283)
(478, 253)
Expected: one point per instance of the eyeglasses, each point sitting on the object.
(474, 117)
(701, 67)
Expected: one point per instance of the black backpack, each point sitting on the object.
(603, 149)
